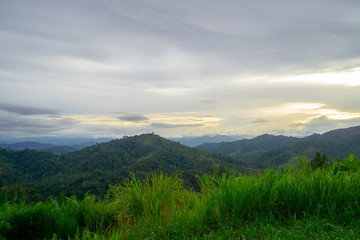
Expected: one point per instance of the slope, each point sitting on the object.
(263, 142)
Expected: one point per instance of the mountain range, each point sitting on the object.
(279, 151)
(47, 147)
(96, 167)
(195, 141)
(63, 145)
(57, 145)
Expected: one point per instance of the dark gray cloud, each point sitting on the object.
(260, 121)
(168, 125)
(251, 36)
(128, 117)
(12, 125)
(26, 110)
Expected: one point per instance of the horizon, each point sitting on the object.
(64, 140)
(106, 69)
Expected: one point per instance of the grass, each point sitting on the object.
(63, 219)
(303, 202)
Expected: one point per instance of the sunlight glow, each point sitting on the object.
(205, 121)
(343, 116)
(349, 78)
(311, 111)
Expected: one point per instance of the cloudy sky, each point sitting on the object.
(108, 68)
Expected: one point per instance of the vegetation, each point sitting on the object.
(94, 168)
(302, 202)
(244, 146)
(281, 151)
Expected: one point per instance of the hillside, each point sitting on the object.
(96, 167)
(263, 142)
(28, 168)
(267, 150)
(335, 134)
(196, 141)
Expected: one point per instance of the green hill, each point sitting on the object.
(96, 167)
(279, 151)
(263, 142)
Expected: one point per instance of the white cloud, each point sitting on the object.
(347, 78)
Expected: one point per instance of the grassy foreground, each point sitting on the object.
(306, 202)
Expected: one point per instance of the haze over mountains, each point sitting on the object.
(58, 145)
(62, 145)
(195, 141)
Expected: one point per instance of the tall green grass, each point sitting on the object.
(299, 203)
(63, 219)
(333, 192)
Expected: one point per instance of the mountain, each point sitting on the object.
(283, 157)
(27, 145)
(195, 141)
(235, 148)
(57, 141)
(335, 134)
(279, 151)
(96, 167)
(48, 147)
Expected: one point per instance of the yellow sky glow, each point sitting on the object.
(207, 121)
(349, 78)
(312, 111)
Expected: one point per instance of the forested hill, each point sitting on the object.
(96, 167)
(283, 157)
(262, 142)
(280, 151)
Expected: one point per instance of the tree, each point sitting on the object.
(319, 161)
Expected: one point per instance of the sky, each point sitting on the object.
(109, 68)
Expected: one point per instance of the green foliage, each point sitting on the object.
(64, 219)
(95, 168)
(281, 151)
(295, 203)
(350, 164)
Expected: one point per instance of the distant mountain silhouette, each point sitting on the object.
(195, 141)
(48, 147)
(335, 134)
(27, 145)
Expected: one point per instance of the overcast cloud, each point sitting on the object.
(24, 110)
(113, 68)
(128, 117)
